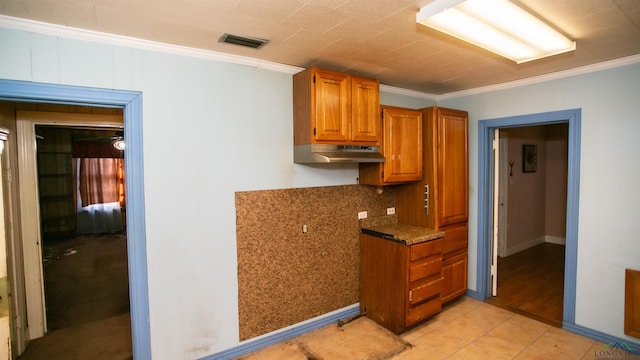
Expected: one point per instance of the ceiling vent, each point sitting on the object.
(254, 43)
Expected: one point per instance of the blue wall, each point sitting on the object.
(212, 128)
(608, 222)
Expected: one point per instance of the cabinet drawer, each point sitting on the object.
(423, 311)
(425, 249)
(423, 269)
(455, 239)
(422, 292)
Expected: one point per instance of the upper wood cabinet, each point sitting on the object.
(441, 198)
(401, 147)
(331, 107)
(448, 129)
(365, 107)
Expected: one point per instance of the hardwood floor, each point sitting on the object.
(86, 279)
(531, 283)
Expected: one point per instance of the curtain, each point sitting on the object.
(120, 182)
(101, 181)
(100, 195)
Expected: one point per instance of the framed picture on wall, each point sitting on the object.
(529, 158)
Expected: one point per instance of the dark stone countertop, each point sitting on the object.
(406, 234)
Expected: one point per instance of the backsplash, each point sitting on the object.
(286, 276)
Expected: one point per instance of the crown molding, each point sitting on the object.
(119, 40)
(543, 78)
(413, 93)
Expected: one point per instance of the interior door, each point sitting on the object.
(504, 181)
(496, 211)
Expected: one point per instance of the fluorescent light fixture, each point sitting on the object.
(496, 25)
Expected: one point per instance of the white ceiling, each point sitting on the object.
(374, 38)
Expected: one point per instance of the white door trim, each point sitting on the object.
(14, 260)
(495, 212)
(29, 203)
(504, 180)
(5, 321)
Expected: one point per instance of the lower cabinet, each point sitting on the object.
(400, 285)
(454, 272)
(454, 262)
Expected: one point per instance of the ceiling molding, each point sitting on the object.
(112, 39)
(543, 78)
(400, 91)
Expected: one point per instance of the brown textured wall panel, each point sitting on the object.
(285, 276)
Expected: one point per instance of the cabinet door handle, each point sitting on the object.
(410, 295)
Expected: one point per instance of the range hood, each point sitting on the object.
(324, 153)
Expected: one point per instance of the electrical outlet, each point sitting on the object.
(362, 215)
(391, 211)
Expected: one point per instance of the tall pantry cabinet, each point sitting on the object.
(441, 200)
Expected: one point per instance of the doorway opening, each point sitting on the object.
(530, 193)
(486, 201)
(131, 104)
(76, 270)
(82, 200)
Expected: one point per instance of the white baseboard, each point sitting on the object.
(533, 242)
(555, 239)
(524, 245)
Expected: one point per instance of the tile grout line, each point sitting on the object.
(530, 343)
(481, 335)
(444, 323)
(588, 349)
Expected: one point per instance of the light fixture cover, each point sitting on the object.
(119, 144)
(496, 25)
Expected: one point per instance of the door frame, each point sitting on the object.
(28, 194)
(131, 103)
(485, 199)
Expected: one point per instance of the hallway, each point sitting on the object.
(531, 283)
(87, 299)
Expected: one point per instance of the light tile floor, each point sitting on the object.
(466, 329)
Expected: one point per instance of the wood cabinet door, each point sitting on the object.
(383, 274)
(365, 110)
(332, 96)
(632, 303)
(402, 145)
(453, 168)
(454, 272)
